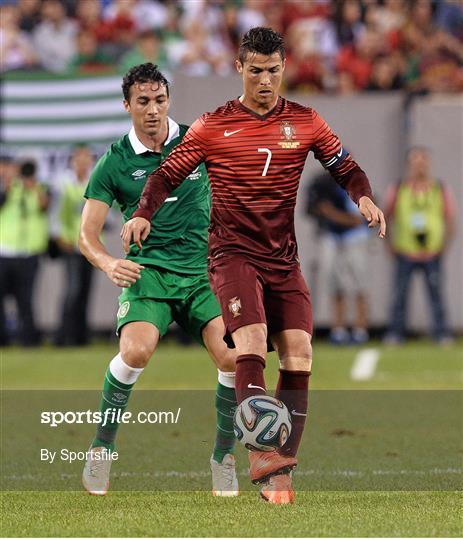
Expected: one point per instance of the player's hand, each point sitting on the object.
(373, 215)
(135, 230)
(123, 272)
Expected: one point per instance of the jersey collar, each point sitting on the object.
(140, 148)
(278, 106)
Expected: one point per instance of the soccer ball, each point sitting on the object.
(262, 423)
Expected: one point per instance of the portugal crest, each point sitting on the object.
(288, 132)
(234, 306)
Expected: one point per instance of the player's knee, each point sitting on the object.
(251, 339)
(136, 353)
(298, 357)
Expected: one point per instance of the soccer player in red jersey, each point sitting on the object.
(255, 148)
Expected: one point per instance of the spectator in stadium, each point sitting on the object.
(198, 54)
(89, 17)
(73, 329)
(150, 14)
(348, 21)
(433, 58)
(449, 17)
(115, 32)
(313, 47)
(305, 72)
(391, 15)
(55, 37)
(89, 58)
(421, 210)
(357, 59)
(420, 17)
(251, 13)
(16, 51)
(440, 66)
(385, 75)
(344, 237)
(305, 69)
(120, 9)
(148, 48)
(24, 226)
(143, 14)
(29, 14)
(295, 10)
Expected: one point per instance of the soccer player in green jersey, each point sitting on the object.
(163, 281)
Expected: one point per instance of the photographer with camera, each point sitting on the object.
(421, 210)
(24, 237)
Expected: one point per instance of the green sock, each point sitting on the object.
(115, 396)
(225, 404)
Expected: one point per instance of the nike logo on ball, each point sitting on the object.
(253, 386)
(297, 413)
(228, 133)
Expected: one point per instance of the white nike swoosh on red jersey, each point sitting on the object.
(228, 133)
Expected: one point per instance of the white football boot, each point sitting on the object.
(95, 477)
(224, 480)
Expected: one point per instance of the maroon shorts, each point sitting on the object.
(249, 294)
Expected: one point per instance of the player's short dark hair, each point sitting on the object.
(142, 73)
(261, 40)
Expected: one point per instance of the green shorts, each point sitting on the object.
(161, 297)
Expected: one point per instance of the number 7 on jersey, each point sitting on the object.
(267, 161)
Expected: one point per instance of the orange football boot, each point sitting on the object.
(278, 490)
(266, 464)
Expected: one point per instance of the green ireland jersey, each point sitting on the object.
(179, 229)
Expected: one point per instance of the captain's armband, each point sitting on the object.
(335, 160)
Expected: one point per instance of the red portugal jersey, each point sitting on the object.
(254, 164)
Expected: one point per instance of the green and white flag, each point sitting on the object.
(45, 110)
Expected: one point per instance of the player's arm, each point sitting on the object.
(122, 272)
(345, 171)
(185, 157)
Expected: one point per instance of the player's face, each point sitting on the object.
(262, 76)
(148, 107)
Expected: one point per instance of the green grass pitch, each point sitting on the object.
(388, 506)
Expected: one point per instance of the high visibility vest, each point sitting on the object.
(419, 223)
(23, 224)
(71, 205)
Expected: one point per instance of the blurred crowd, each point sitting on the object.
(335, 46)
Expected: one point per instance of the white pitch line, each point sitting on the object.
(364, 365)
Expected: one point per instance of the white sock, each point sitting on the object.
(122, 371)
(227, 378)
